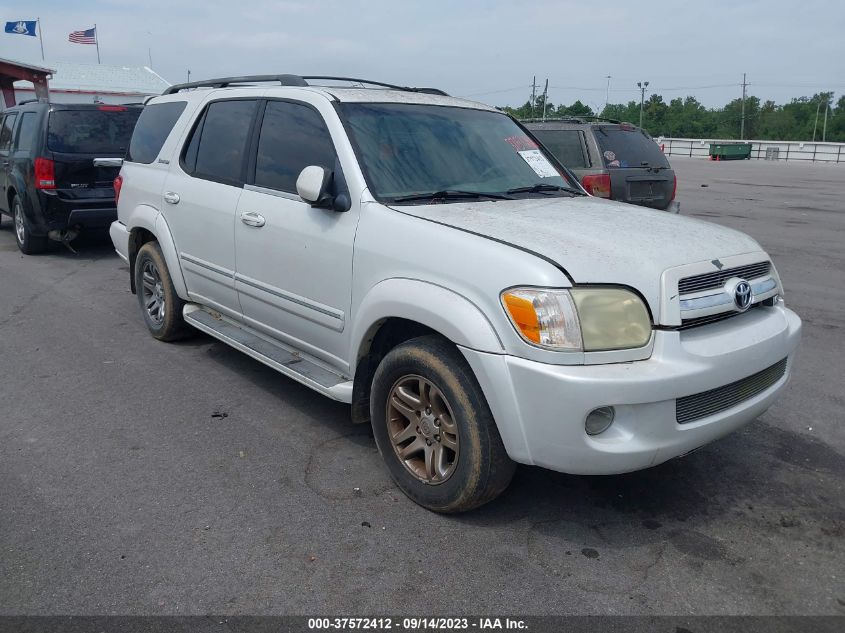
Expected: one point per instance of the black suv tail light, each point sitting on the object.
(45, 174)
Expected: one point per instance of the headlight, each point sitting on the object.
(588, 319)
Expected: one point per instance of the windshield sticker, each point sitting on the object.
(609, 155)
(539, 163)
(521, 142)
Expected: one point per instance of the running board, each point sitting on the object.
(284, 360)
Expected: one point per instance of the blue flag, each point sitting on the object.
(21, 27)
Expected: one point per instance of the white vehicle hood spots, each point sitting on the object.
(594, 240)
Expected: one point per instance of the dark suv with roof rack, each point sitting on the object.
(57, 168)
(611, 159)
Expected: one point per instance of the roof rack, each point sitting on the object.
(570, 119)
(290, 80)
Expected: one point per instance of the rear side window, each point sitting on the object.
(628, 147)
(6, 131)
(104, 130)
(26, 131)
(566, 145)
(218, 143)
(293, 136)
(152, 129)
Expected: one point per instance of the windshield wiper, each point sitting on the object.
(452, 194)
(540, 187)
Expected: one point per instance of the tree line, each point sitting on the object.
(687, 118)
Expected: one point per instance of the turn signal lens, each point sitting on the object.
(544, 317)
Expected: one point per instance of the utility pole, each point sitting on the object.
(824, 129)
(642, 86)
(545, 97)
(742, 120)
(533, 94)
(816, 124)
(606, 95)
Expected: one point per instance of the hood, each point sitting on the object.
(594, 240)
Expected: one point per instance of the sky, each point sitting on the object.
(487, 51)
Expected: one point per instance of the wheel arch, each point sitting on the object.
(397, 310)
(147, 224)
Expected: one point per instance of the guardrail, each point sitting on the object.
(808, 151)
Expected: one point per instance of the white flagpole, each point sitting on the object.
(40, 38)
(97, 42)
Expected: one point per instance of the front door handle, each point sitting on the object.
(251, 218)
(171, 198)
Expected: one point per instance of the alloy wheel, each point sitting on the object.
(422, 429)
(20, 230)
(153, 293)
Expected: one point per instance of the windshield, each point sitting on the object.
(105, 130)
(407, 150)
(625, 146)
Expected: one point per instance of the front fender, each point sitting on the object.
(436, 307)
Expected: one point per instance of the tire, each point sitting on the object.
(28, 243)
(161, 307)
(451, 422)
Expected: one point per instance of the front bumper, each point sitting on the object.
(540, 408)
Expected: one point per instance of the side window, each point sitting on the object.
(292, 137)
(26, 132)
(6, 131)
(566, 145)
(217, 147)
(152, 129)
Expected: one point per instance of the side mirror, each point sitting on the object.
(312, 184)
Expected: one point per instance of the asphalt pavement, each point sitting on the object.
(138, 477)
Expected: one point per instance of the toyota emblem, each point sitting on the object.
(742, 295)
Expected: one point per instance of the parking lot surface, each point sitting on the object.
(138, 477)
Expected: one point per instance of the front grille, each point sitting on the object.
(715, 318)
(717, 279)
(701, 405)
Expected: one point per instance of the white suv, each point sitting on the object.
(423, 259)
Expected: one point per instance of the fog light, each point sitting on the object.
(599, 420)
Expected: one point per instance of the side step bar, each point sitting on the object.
(284, 360)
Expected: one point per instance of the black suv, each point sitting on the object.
(611, 159)
(56, 178)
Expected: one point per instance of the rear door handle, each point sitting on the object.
(171, 198)
(251, 218)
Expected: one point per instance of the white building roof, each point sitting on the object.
(103, 79)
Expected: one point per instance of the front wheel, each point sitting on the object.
(161, 307)
(434, 429)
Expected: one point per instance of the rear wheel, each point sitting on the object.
(434, 429)
(161, 307)
(28, 243)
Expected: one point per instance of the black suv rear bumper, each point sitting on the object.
(54, 211)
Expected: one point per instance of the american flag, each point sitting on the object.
(83, 37)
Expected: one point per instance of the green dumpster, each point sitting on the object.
(730, 151)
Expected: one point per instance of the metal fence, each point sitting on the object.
(816, 152)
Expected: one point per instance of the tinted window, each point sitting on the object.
(292, 137)
(628, 147)
(6, 130)
(566, 145)
(153, 127)
(219, 142)
(26, 131)
(105, 130)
